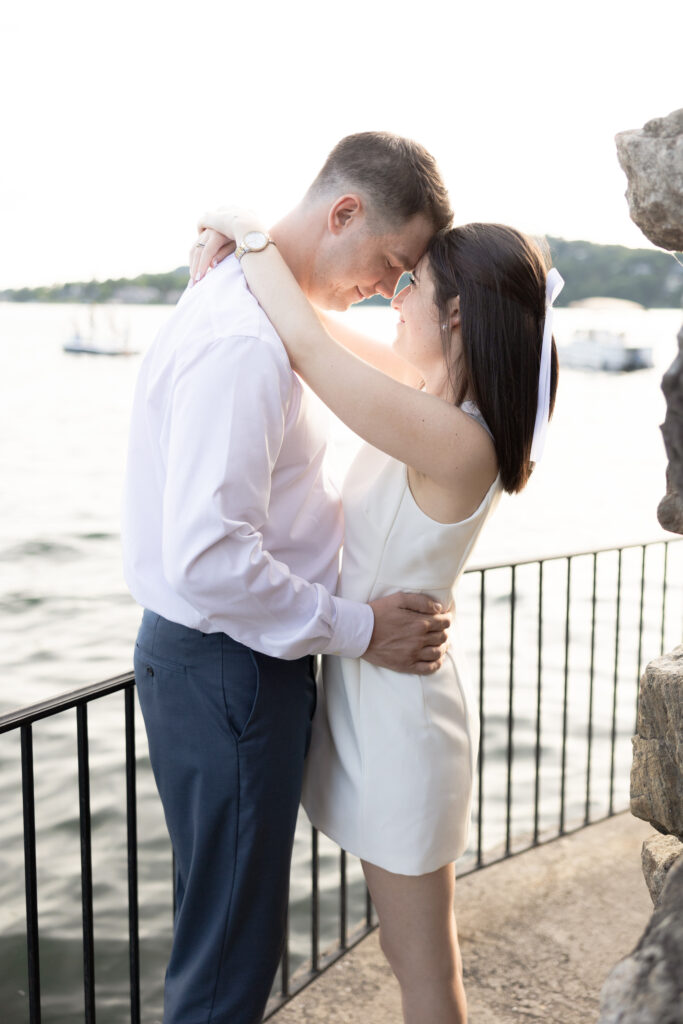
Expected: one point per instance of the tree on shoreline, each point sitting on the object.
(649, 277)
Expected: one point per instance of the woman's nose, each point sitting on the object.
(398, 298)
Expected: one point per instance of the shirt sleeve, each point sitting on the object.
(226, 424)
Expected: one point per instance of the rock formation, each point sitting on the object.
(647, 986)
(670, 508)
(658, 856)
(652, 158)
(672, 428)
(657, 771)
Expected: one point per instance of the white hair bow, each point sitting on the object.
(553, 286)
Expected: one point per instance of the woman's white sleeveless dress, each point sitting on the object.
(391, 765)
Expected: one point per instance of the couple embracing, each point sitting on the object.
(232, 537)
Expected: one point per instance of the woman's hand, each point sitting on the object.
(210, 248)
(219, 231)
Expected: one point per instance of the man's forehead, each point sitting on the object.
(408, 244)
(402, 259)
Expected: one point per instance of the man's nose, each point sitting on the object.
(386, 286)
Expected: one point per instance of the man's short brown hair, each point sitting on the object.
(398, 176)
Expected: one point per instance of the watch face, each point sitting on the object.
(255, 240)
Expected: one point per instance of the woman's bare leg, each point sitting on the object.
(418, 936)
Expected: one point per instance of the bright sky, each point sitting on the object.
(122, 121)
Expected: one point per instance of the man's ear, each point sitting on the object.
(344, 212)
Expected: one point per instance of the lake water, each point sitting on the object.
(67, 618)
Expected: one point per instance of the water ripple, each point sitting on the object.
(56, 550)
(18, 602)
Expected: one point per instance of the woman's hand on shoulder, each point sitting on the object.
(208, 251)
(219, 230)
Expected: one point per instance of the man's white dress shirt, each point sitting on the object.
(229, 524)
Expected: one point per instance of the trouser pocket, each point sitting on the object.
(240, 679)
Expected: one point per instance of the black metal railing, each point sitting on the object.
(24, 719)
(558, 647)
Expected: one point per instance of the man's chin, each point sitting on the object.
(338, 303)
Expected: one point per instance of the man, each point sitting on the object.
(231, 541)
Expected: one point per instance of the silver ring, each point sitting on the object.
(200, 245)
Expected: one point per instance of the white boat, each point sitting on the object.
(97, 346)
(600, 349)
(606, 335)
(98, 339)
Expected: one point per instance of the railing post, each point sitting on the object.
(511, 680)
(640, 632)
(666, 560)
(343, 936)
(539, 672)
(30, 873)
(284, 962)
(86, 864)
(590, 693)
(615, 688)
(368, 908)
(132, 832)
(482, 722)
(563, 781)
(315, 909)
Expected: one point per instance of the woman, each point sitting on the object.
(454, 415)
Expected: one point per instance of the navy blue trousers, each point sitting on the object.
(228, 731)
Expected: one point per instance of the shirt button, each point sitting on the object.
(150, 670)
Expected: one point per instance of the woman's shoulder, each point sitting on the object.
(473, 477)
(456, 504)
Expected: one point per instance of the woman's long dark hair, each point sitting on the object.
(499, 274)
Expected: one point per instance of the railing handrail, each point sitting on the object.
(64, 701)
(485, 566)
(72, 698)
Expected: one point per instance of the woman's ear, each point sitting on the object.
(344, 212)
(454, 313)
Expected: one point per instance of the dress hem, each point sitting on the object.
(414, 873)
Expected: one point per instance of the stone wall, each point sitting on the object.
(652, 158)
(647, 986)
(657, 770)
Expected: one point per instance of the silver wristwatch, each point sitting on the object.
(253, 241)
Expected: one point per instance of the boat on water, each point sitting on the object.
(99, 339)
(96, 346)
(601, 349)
(607, 342)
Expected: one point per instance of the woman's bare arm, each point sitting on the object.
(430, 435)
(379, 355)
(218, 245)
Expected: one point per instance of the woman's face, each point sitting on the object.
(418, 332)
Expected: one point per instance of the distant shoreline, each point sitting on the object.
(650, 277)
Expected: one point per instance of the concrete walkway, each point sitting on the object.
(539, 934)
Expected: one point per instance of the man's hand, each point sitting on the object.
(409, 635)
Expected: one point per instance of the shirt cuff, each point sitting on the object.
(352, 629)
